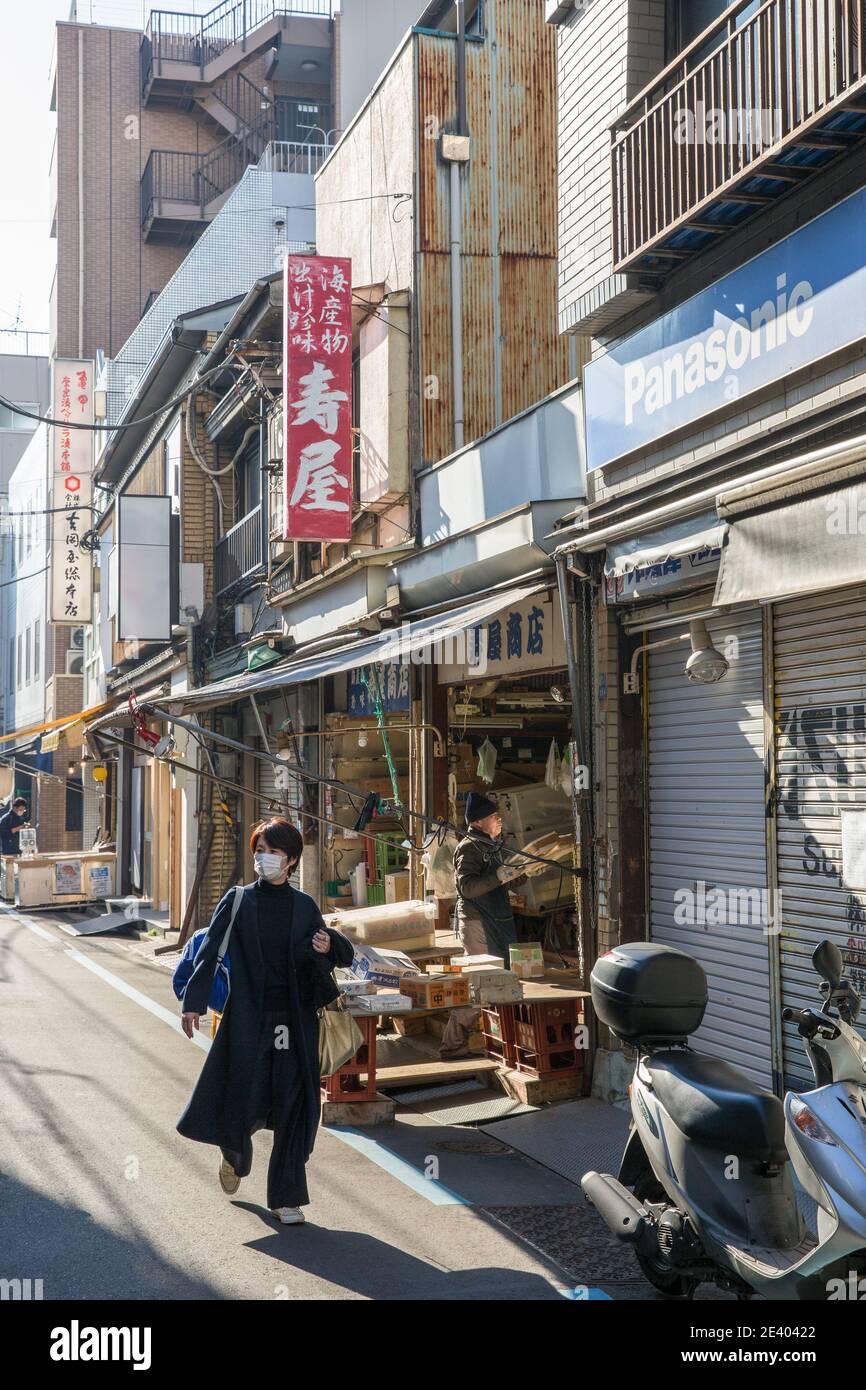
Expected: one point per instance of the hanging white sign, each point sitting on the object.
(72, 452)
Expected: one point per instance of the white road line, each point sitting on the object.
(136, 995)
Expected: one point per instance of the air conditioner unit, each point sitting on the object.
(243, 618)
(76, 639)
(75, 663)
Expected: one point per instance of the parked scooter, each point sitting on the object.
(709, 1154)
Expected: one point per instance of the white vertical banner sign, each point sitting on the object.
(72, 490)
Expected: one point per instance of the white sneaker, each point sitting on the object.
(290, 1216)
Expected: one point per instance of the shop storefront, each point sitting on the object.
(508, 704)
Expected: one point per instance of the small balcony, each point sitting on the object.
(763, 100)
(183, 47)
(241, 553)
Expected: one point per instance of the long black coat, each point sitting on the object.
(218, 1110)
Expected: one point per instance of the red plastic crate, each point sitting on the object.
(544, 1034)
(498, 1029)
(356, 1081)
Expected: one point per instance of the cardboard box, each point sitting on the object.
(442, 969)
(381, 967)
(488, 986)
(355, 988)
(467, 962)
(397, 887)
(436, 992)
(527, 959)
(388, 1002)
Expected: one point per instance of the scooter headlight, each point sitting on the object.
(809, 1124)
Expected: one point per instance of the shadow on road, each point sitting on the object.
(371, 1268)
(76, 1258)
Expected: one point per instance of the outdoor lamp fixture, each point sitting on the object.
(559, 695)
(706, 665)
(71, 770)
(165, 747)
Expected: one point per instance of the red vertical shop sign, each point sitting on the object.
(317, 399)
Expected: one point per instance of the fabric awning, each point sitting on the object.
(811, 544)
(697, 536)
(393, 645)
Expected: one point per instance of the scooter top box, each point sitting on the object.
(646, 992)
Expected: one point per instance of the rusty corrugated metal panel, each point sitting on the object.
(534, 354)
(526, 136)
(437, 108)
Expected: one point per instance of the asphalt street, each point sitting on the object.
(101, 1198)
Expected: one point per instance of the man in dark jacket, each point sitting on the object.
(483, 869)
(10, 826)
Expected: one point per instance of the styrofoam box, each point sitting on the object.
(383, 1003)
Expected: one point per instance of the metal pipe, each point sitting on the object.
(462, 119)
(457, 302)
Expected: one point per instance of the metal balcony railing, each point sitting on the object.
(751, 98)
(241, 552)
(172, 176)
(292, 157)
(178, 37)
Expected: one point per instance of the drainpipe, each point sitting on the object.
(457, 303)
(455, 151)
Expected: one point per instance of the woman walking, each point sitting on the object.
(262, 1071)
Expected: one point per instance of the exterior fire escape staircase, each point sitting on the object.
(192, 62)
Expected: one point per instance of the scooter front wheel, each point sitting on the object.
(656, 1267)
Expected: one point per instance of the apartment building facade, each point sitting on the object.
(711, 176)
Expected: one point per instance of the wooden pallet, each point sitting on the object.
(432, 1073)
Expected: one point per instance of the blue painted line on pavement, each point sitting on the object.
(585, 1295)
(398, 1167)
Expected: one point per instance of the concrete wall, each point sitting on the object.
(25, 598)
(22, 379)
(370, 32)
(607, 51)
(355, 214)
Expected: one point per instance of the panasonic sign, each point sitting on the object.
(789, 307)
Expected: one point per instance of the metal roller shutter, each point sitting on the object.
(707, 825)
(820, 723)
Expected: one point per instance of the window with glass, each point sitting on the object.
(37, 649)
(27, 650)
(686, 19)
(19, 665)
(12, 418)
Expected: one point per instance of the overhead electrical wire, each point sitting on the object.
(105, 427)
(434, 823)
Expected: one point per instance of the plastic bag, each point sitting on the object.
(566, 774)
(438, 862)
(487, 756)
(552, 771)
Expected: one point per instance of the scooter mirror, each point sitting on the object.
(828, 962)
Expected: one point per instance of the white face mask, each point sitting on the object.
(269, 866)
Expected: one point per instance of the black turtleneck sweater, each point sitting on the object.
(275, 923)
